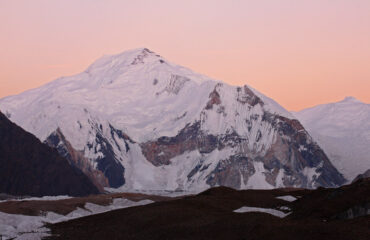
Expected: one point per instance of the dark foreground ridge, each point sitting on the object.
(28, 167)
(340, 213)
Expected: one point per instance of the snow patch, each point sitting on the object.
(44, 198)
(302, 148)
(284, 208)
(273, 212)
(310, 173)
(258, 179)
(288, 198)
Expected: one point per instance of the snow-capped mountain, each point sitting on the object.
(137, 121)
(342, 129)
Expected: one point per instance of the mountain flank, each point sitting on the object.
(31, 168)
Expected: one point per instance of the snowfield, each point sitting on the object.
(13, 226)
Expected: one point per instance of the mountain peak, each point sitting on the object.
(125, 59)
(133, 53)
(350, 99)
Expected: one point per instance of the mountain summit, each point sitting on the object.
(139, 122)
(351, 99)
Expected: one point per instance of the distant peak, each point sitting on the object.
(126, 58)
(350, 99)
(136, 51)
(142, 53)
(146, 50)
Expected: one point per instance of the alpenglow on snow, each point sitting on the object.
(139, 122)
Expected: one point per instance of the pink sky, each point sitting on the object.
(300, 53)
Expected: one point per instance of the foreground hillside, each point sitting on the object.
(29, 167)
(217, 213)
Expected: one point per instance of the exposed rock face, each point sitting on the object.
(294, 155)
(139, 59)
(138, 122)
(299, 156)
(176, 84)
(232, 172)
(31, 168)
(190, 138)
(77, 159)
(246, 96)
(214, 98)
(108, 172)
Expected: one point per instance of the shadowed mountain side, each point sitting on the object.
(29, 167)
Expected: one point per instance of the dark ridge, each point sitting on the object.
(29, 167)
(218, 190)
(362, 176)
(333, 203)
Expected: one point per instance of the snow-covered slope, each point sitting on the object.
(138, 121)
(343, 130)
